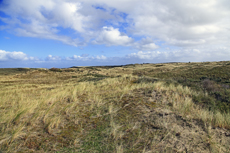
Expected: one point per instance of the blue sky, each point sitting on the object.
(65, 33)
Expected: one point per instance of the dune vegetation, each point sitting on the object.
(169, 107)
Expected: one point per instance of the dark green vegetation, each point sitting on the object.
(12, 71)
(206, 77)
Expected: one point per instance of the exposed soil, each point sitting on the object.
(175, 133)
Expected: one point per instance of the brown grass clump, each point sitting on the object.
(210, 86)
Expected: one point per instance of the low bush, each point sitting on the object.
(210, 86)
(55, 69)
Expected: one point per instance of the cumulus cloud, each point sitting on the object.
(176, 22)
(6, 56)
(182, 23)
(183, 55)
(102, 57)
(53, 58)
(85, 58)
(145, 44)
(43, 18)
(77, 57)
(111, 36)
(49, 12)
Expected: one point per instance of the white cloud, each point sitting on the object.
(53, 58)
(43, 18)
(85, 58)
(77, 57)
(178, 21)
(172, 21)
(145, 44)
(102, 57)
(49, 12)
(5, 56)
(111, 36)
(184, 55)
(145, 55)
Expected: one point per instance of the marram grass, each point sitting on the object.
(43, 111)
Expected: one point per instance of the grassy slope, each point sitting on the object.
(135, 108)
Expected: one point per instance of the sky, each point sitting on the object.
(65, 33)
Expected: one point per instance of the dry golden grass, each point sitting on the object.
(91, 109)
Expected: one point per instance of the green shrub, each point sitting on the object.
(55, 69)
